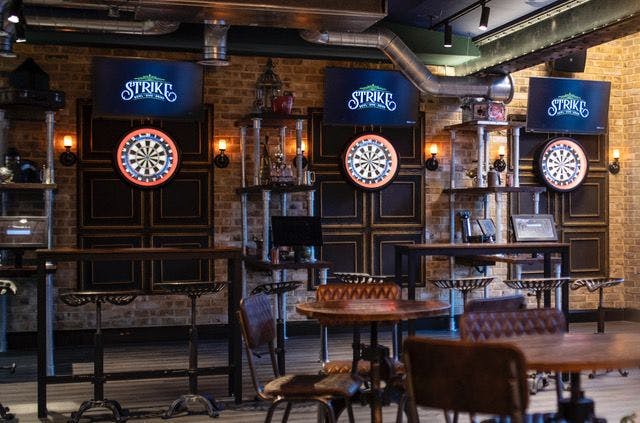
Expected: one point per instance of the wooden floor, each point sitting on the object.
(615, 396)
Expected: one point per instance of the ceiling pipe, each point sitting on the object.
(103, 25)
(492, 87)
(215, 44)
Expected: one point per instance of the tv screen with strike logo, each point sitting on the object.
(147, 88)
(369, 97)
(568, 105)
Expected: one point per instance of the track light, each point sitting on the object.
(484, 17)
(448, 35)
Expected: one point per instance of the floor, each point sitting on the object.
(615, 396)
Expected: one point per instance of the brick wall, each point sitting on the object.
(231, 91)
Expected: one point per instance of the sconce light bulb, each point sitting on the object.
(222, 145)
(67, 141)
(433, 150)
(501, 151)
(303, 147)
(616, 154)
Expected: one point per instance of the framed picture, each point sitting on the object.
(534, 227)
(487, 227)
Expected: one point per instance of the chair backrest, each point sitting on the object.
(258, 329)
(479, 326)
(466, 377)
(360, 291)
(504, 303)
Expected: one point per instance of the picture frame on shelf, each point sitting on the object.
(487, 227)
(534, 227)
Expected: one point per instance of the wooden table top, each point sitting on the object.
(575, 352)
(367, 311)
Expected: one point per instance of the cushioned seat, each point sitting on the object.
(313, 385)
(364, 367)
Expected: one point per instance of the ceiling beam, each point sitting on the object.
(552, 36)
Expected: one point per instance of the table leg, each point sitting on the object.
(42, 341)
(412, 270)
(565, 270)
(234, 274)
(280, 332)
(547, 274)
(576, 408)
(376, 400)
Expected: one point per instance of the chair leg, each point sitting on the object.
(350, 412)
(402, 403)
(331, 416)
(287, 411)
(4, 413)
(272, 408)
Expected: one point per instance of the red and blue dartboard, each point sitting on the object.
(147, 157)
(370, 162)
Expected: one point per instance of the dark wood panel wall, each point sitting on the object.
(360, 228)
(114, 214)
(582, 215)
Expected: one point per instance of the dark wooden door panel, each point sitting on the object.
(408, 143)
(344, 250)
(588, 251)
(328, 141)
(588, 204)
(400, 203)
(111, 275)
(106, 201)
(184, 201)
(529, 143)
(338, 202)
(383, 253)
(180, 270)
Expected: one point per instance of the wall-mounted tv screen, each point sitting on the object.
(149, 88)
(369, 97)
(568, 105)
(296, 231)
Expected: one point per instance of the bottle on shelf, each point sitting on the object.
(265, 163)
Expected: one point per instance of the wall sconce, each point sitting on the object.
(432, 163)
(499, 164)
(221, 160)
(68, 158)
(305, 162)
(614, 166)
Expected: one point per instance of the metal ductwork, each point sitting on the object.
(215, 44)
(492, 87)
(103, 25)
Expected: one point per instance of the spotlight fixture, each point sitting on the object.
(614, 166)
(499, 164)
(484, 17)
(432, 163)
(221, 160)
(448, 35)
(68, 158)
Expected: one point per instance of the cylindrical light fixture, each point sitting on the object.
(432, 163)
(448, 35)
(67, 157)
(614, 166)
(221, 160)
(484, 17)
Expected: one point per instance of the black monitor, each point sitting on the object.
(296, 231)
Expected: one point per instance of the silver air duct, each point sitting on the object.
(102, 25)
(215, 44)
(492, 87)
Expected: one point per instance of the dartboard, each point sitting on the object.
(370, 161)
(563, 164)
(147, 157)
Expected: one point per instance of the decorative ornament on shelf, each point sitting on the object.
(500, 164)
(268, 86)
(221, 160)
(283, 104)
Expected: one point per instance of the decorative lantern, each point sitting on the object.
(268, 86)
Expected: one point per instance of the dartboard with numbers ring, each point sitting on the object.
(563, 164)
(370, 161)
(147, 157)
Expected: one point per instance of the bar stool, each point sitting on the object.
(279, 289)
(80, 298)
(598, 284)
(464, 285)
(193, 290)
(537, 286)
(7, 287)
(355, 277)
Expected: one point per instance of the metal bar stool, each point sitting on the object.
(464, 285)
(537, 286)
(279, 289)
(7, 287)
(355, 277)
(76, 299)
(598, 284)
(193, 290)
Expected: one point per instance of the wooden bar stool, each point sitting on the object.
(80, 298)
(7, 287)
(593, 285)
(537, 286)
(464, 285)
(193, 290)
(279, 289)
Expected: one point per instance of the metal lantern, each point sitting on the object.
(268, 86)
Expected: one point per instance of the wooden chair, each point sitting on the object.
(258, 329)
(464, 376)
(484, 326)
(504, 303)
(359, 291)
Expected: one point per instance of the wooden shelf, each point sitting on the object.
(255, 263)
(492, 190)
(490, 260)
(271, 120)
(11, 186)
(276, 188)
(7, 271)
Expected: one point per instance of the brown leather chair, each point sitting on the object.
(359, 291)
(438, 376)
(504, 303)
(258, 329)
(483, 326)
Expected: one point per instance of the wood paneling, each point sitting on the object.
(338, 202)
(400, 202)
(588, 251)
(344, 250)
(111, 275)
(180, 270)
(184, 201)
(383, 252)
(588, 204)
